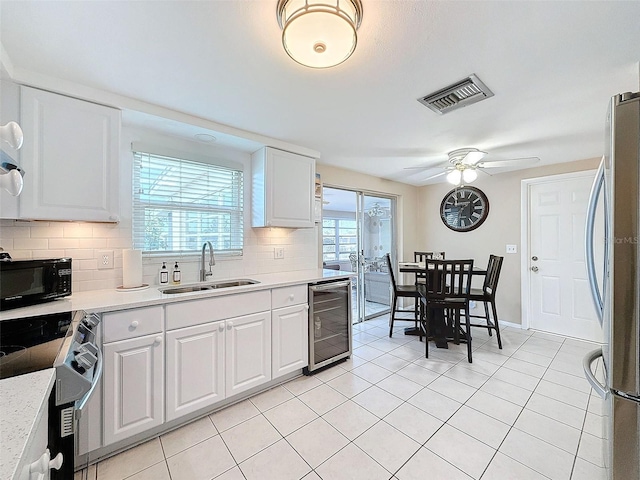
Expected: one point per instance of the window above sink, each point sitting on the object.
(178, 204)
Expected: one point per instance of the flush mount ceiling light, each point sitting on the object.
(319, 33)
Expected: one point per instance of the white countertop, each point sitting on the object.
(110, 300)
(23, 399)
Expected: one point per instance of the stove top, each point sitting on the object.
(31, 344)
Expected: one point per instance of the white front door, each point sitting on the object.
(559, 297)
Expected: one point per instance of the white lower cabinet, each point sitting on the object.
(290, 340)
(164, 362)
(248, 352)
(133, 386)
(195, 368)
(34, 462)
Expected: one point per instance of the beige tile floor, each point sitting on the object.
(523, 412)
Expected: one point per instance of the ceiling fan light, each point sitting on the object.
(469, 175)
(454, 177)
(319, 33)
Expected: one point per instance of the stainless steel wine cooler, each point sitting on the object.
(329, 323)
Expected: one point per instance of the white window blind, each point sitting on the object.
(180, 204)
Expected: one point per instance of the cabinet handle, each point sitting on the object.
(306, 307)
(221, 328)
(135, 324)
(158, 340)
(229, 325)
(56, 463)
(291, 297)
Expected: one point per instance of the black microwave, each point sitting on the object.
(27, 282)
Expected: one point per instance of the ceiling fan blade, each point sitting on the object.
(508, 163)
(434, 176)
(473, 157)
(439, 165)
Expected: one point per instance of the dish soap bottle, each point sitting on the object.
(176, 274)
(164, 274)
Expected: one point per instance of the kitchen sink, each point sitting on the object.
(233, 283)
(208, 286)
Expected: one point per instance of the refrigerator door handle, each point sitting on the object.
(596, 189)
(588, 360)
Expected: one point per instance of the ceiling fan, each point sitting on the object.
(464, 163)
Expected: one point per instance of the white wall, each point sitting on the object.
(502, 227)
(83, 240)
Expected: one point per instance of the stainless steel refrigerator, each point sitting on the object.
(617, 295)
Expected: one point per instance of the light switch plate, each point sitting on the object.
(278, 253)
(512, 249)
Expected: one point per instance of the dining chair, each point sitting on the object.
(487, 295)
(401, 291)
(448, 289)
(420, 257)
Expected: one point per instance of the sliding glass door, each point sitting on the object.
(358, 229)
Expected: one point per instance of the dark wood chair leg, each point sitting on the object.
(486, 313)
(456, 326)
(496, 325)
(468, 322)
(424, 315)
(393, 315)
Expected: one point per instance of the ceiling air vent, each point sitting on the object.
(462, 93)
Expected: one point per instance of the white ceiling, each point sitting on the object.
(551, 65)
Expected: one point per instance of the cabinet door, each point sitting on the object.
(37, 446)
(247, 352)
(195, 368)
(133, 386)
(283, 189)
(289, 340)
(70, 158)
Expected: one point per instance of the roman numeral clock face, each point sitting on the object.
(464, 209)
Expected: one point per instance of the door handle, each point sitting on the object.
(534, 269)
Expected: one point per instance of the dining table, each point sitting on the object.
(437, 323)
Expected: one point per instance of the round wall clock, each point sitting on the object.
(464, 209)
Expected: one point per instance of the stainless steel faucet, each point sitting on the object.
(212, 261)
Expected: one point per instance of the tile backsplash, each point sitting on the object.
(82, 241)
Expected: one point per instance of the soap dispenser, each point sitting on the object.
(164, 274)
(176, 274)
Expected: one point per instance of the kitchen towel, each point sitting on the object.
(131, 268)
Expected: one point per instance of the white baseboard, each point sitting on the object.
(510, 324)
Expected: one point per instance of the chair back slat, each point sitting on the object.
(387, 257)
(422, 256)
(448, 278)
(493, 274)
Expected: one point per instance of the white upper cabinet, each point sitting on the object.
(70, 158)
(282, 189)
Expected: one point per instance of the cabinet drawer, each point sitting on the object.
(188, 314)
(287, 296)
(132, 323)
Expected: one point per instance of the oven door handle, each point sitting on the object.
(329, 286)
(96, 379)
